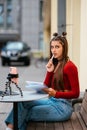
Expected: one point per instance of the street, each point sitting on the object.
(25, 73)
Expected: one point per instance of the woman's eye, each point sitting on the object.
(56, 47)
(52, 47)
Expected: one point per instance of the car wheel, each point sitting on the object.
(27, 62)
(9, 63)
(3, 62)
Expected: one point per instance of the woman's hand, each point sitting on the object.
(50, 91)
(50, 66)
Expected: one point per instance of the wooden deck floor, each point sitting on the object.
(4, 111)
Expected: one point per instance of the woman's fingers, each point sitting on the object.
(52, 57)
(50, 66)
(50, 62)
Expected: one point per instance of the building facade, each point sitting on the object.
(76, 21)
(22, 20)
(9, 24)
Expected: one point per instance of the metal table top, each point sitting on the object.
(27, 96)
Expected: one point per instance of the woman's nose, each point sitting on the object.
(54, 49)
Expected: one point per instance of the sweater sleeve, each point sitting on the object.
(72, 75)
(48, 79)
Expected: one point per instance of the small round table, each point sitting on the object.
(27, 96)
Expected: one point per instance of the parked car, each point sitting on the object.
(15, 51)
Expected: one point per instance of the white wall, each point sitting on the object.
(54, 18)
(83, 46)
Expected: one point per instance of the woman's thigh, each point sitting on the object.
(31, 104)
(42, 113)
(48, 113)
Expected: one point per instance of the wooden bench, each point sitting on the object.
(78, 120)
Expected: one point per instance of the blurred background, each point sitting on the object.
(34, 21)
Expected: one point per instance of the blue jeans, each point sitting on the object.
(50, 109)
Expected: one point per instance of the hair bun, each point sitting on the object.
(55, 34)
(64, 34)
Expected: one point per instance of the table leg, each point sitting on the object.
(15, 115)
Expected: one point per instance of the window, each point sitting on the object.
(61, 12)
(9, 15)
(9, 1)
(40, 11)
(9, 19)
(1, 14)
(41, 40)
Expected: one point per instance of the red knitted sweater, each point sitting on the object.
(71, 81)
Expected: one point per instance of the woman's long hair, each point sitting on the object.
(58, 75)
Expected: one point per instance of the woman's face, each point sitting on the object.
(57, 49)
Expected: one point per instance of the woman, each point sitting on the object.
(63, 85)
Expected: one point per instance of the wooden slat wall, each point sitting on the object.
(75, 122)
(83, 111)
